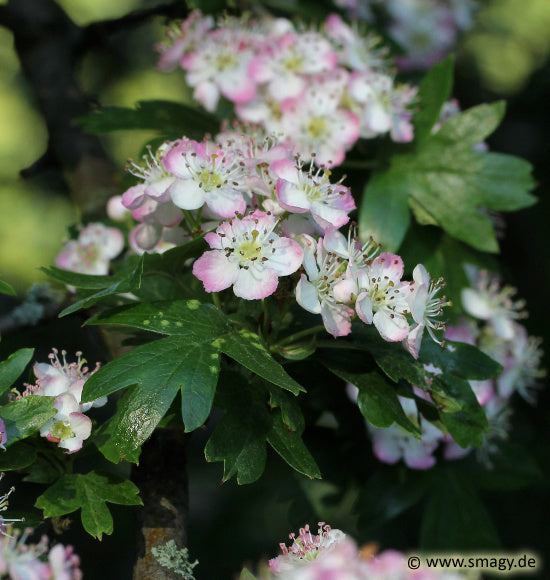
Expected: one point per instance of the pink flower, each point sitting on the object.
(286, 62)
(93, 251)
(207, 173)
(248, 255)
(383, 299)
(61, 377)
(219, 65)
(394, 443)
(69, 427)
(311, 191)
(321, 128)
(64, 563)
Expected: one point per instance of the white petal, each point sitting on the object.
(187, 194)
(307, 297)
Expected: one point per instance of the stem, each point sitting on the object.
(266, 320)
(216, 300)
(301, 334)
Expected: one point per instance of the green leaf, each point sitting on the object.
(394, 495)
(169, 118)
(196, 322)
(6, 288)
(291, 412)
(384, 217)
(127, 280)
(460, 359)
(159, 370)
(17, 456)
(459, 410)
(377, 400)
(434, 90)
(448, 181)
(456, 519)
(13, 366)
(247, 349)
(43, 470)
(90, 493)
(239, 441)
(289, 445)
(26, 416)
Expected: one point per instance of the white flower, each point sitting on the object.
(315, 290)
(248, 255)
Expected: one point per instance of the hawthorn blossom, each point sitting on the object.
(219, 65)
(383, 298)
(356, 49)
(149, 201)
(488, 301)
(20, 560)
(93, 251)
(248, 255)
(69, 427)
(300, 191)
(320, 128)
(61, 377)
(207, 173)
(425, 309)
(315, 289)
(394, 443)
(305, 548)
(183, 39)
(284, 64)
(382, 106)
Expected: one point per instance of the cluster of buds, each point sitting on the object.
(333, 554)
(425, 30)
(64, 381)
(323, 88)
(20, 559)
(492, 325)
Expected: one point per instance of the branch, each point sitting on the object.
(162, 480)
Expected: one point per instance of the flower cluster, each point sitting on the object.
(64, 381)
(492, 326)
(332, 554)
(21, 560)
(93, 251)
(343, 278)
(425, 30)
(278, 214)
(322, 88)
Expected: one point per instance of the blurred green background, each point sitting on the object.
(505, 55)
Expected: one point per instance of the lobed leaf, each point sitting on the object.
(89, 492)
(446, 182)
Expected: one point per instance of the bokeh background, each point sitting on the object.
(505, 55)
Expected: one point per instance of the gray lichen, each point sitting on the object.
(173, 558)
